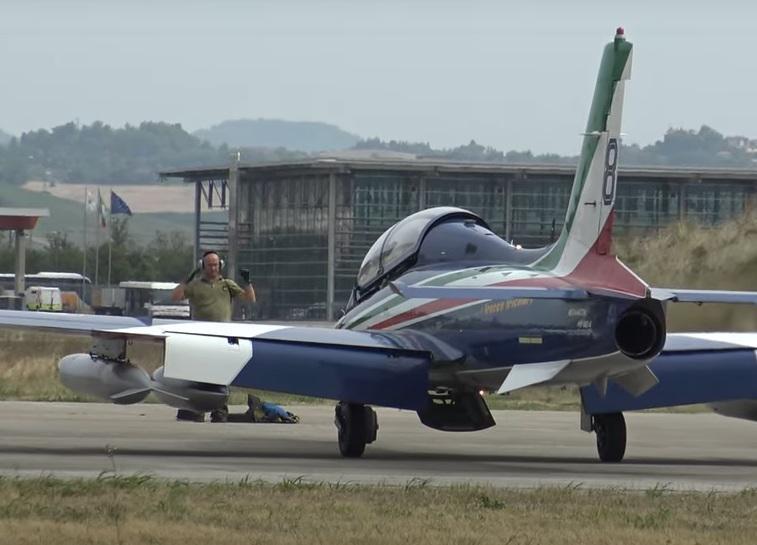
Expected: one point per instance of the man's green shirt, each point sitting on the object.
(211, 301)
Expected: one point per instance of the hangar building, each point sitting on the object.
(303, 227)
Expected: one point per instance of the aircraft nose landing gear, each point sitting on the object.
(611, 436)
(357, 426)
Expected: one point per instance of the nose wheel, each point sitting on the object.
(357, 426)
(611, 436)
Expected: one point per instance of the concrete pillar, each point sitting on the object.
(20, 261)
(509, 210)
(331, 257)
(198, 216)
(233, 194)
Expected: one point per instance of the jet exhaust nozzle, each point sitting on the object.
(640, 333)
(118, 382)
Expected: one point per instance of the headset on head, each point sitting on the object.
(201, 262)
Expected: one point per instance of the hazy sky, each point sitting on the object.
(513, 75)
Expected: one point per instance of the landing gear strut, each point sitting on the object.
(611, 436)
(357, 426)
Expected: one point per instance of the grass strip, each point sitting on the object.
(143, 509)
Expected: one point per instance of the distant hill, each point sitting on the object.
(99, 153)
(275, 133)
(4, 137)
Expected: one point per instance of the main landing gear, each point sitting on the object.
(357, 426)
(611, 436)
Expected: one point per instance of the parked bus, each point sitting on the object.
(65, 281)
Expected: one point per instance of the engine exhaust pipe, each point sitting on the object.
(640, 331)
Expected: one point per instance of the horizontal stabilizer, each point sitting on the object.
(705, 375)
(528, 374)
(710, 341)
(490, 293)
(704, 296)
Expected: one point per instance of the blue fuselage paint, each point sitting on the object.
(358, 374)
(507, 332)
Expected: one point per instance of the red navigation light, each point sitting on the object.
(620, 31)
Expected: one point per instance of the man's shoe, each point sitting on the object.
(189, 416)
(219, 416)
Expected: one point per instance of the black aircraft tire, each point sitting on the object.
(611, 436)
(353, 434)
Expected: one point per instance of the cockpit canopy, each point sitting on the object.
(399, 246)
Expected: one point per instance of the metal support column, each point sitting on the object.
(331, 264)
(20, 261)
(422, 193)
(509, 210)
(198, 215)
(231, 257)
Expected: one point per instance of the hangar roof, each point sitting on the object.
(431, 167)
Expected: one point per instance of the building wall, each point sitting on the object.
(284, 219)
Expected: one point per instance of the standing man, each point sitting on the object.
(210, 298)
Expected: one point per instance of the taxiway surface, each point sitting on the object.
(525, 449)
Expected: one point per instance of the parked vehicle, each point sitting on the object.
(138, 298)
(43, 298)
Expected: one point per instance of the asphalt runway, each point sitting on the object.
(525, 449)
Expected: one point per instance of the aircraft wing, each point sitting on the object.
(704, 296)
(59, 322)
(692, 368)
(380, 368)
(486, 292)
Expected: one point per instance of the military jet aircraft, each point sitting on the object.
(443, 308)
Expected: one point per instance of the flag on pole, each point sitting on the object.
(102, 211)
(89, 204)
(118, 205)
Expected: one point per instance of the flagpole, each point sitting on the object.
(97, 257)
(110, 233)
(97, 239)
(84, 244)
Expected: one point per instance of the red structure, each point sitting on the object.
(21, 220)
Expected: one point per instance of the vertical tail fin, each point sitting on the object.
(588, 222)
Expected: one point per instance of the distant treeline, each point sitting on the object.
(167, 257)
(98, 153)
(679, 147)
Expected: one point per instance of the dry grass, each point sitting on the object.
(687, 256)
(139, 509)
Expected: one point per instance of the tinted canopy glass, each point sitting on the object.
(402, 241)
